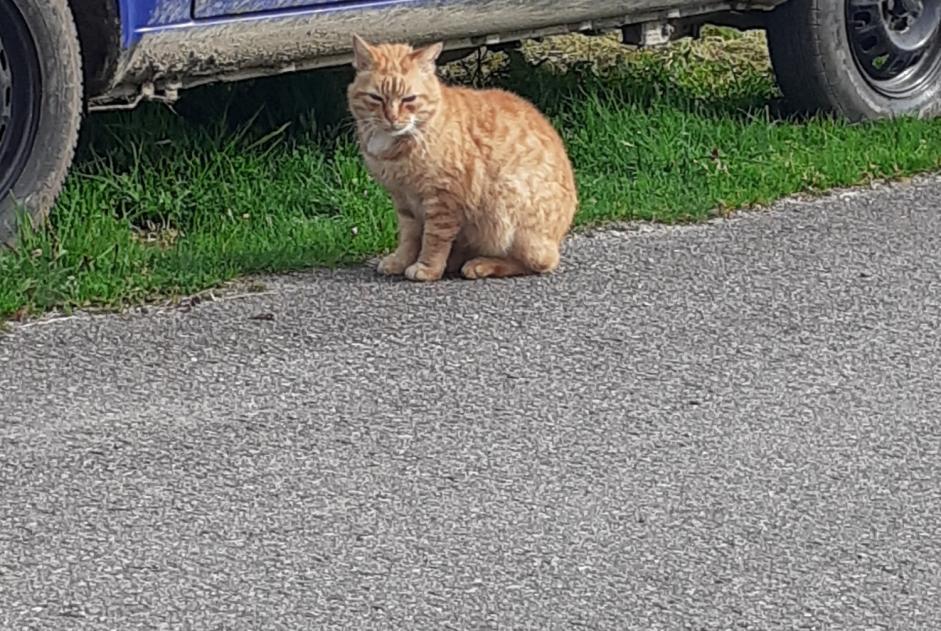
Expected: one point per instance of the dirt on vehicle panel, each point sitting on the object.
(170, 12)
(188, 55)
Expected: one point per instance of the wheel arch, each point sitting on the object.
(99, 32)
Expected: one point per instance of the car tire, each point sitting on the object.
(839, 56)
(40, 108)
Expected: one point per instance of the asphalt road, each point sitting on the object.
(729, 426)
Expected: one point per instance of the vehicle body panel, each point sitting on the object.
(166, 47)
(137, 16)
(216, 8)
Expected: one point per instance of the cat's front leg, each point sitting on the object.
(406, 253)
(441, 227)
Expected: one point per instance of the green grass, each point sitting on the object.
(267, 178)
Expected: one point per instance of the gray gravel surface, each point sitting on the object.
(728, 426)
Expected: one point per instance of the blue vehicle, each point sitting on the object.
(60, 59)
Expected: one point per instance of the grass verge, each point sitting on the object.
(264, 177)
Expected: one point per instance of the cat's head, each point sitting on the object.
(395, 89)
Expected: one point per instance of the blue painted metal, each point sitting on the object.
(137, 15)
(147, 16)
(216, 8)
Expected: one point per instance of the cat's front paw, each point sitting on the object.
(421, 272)
(392, 265)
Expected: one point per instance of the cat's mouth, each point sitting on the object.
(402, 130)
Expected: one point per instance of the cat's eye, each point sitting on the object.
(409, 99)
(375, 97)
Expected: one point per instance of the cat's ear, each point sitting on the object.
(428, 55)
(364, 56)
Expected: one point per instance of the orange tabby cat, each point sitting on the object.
(479, 178)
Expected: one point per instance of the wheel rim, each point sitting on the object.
(20, 92)
(895, 43)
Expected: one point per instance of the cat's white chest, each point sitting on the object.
(379, 143)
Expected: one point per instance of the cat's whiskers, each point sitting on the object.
(421, 141)
(370, 125)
